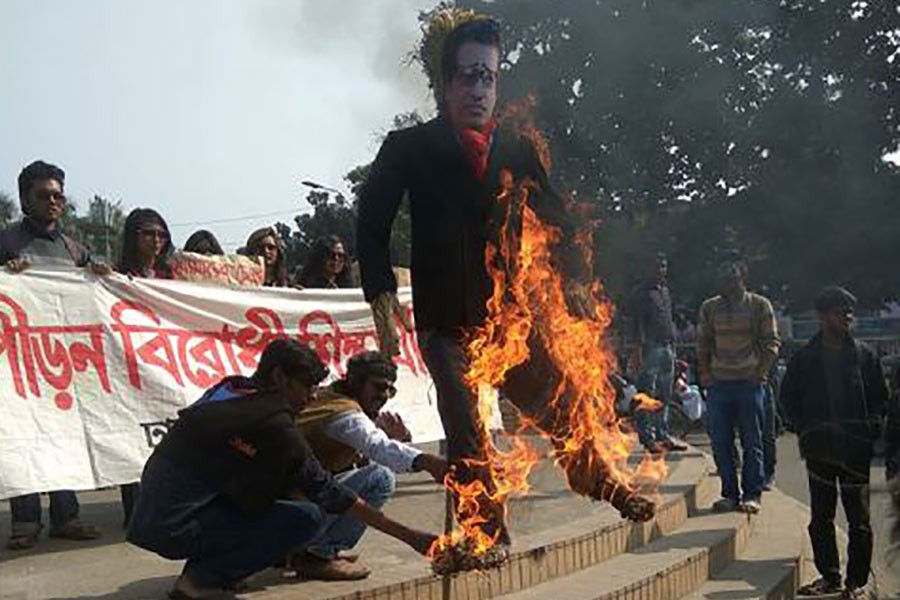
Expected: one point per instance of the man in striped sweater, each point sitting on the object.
(737, 343)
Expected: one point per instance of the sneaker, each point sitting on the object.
(769, 484)
(820, 587)
(854, 593)
(724, 505)
(751, 507)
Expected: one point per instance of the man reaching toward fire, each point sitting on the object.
(461, 171)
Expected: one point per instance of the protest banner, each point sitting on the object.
(93, 370)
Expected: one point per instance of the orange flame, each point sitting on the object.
(529, 302)
(646, 403)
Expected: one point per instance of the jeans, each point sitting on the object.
(824, 479)
(768, 434)
(656, 380)
(178, 516)
(737, 404)
(26, 511)
(374, 484)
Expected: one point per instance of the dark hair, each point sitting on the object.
(480, 31)
(37, 171)
(835, 297)
(364, 365)
(312, 275)
(200, 237)
(252, 248)
(129, 262)
(296, 360)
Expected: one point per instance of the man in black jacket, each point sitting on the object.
(452, 169)
(215, 491)
(834, 397)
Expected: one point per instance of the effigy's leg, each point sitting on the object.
(447, 362)
(533, 388)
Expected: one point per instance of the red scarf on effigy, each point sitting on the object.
(477, 146)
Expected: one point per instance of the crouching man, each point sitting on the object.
(214, 491)
(340, 427)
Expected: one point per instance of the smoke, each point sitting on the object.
(359, 38)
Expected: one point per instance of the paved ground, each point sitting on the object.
(109, 568)
(791, 478)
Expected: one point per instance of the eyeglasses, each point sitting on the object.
(156, 233)
(338, 256)
(50, 195)
(470, 75)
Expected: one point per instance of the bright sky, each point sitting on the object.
(203, 109)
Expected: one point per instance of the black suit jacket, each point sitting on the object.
(453, 217)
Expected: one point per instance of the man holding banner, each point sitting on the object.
(35, 240)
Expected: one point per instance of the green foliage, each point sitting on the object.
(705, 128)
(9, 209)
(100, 229)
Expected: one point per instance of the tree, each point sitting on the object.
(8, 210)
(101, 229)
(334, 214)
(704, 128)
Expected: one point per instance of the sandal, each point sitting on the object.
(23, 540)
(76, 530)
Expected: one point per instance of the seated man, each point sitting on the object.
(340, 427)
(213, 490)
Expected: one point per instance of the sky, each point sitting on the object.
(206, 110)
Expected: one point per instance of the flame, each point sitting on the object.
(528, 305)
(646, 403)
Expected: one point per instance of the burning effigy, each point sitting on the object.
(504, 297)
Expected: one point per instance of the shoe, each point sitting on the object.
(751, 507)
(308, 566)
(724, 505)
(769, 484)
(854, 593)
(655, 447)
(76, 530)
(820, 587)
(673, 445)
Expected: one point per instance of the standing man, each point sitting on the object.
(452, 169)
(737, 343)
(340, 427)
(835, 398)
(38, 240)
(653, 336)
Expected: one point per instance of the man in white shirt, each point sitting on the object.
(340, 425)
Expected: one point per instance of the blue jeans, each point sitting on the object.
(656, 380)
(179, 516)
(373, 483)
(740, 405)
(768, 434)
(26, 511)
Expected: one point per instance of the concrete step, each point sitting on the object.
(535, 558)
(775, 561)
(666, 569)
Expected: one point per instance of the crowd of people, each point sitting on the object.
(268, 469)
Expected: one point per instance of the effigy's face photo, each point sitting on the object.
(472, 93)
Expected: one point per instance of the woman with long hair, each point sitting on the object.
(203, 242)
(146, 245)
(328, 265)
(266, 243)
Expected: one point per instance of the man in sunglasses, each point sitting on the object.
(38, 240)
(340, 426)
(835, 397)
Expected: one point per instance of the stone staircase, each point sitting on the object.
(564, 548)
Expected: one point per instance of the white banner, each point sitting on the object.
(94, 370)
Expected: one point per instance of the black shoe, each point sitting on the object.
(673, 445)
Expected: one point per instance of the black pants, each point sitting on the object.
(853, 480)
